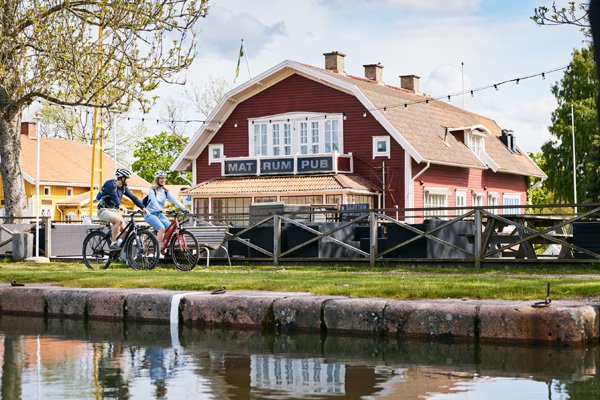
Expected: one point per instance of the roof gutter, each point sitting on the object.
(423, 170)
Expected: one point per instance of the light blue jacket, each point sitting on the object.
(158, 197)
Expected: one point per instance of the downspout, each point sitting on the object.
(423, 170)
(538, 184)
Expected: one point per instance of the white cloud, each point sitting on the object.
(223, 29)
(441, 6)
(438, 7)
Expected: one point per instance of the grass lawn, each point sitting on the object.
(390, 282)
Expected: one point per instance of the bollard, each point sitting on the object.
(22, 246)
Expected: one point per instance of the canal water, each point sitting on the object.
(72, 359)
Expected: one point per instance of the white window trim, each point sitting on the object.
(211, 159)
(463, 194)
(477, 194)
(385, 153)
(49, 189)
(442, 208)
(69, 189)
(295, 119)
(436, 190)
(513, 196)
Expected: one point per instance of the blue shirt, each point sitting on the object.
(157, 199)
(110, 195)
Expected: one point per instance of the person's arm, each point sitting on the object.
(173, 200)
(135, 200)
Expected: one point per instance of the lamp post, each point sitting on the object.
(574, 168)
(37, 257)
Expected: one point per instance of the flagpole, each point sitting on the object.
(246, 56)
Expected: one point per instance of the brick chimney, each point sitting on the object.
(410, 82)
(374, 72)
(334, 61)
(29, 129)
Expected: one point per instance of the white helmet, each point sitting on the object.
(123, 173)
(160, 174)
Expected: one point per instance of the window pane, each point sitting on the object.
(315, 137)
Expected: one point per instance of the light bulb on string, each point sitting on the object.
(472, 94)
(496, 87)
(365, 114)
(235, 125)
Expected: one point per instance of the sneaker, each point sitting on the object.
(114, 246)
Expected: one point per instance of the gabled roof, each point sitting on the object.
(66, 163)
(418, 128)
(269, 185)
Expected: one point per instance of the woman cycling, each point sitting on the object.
(157, 197)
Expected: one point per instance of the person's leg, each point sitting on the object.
(154, 221)
(165, 224)
(114, 218)
(118, 224)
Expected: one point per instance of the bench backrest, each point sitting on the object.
(209, 236)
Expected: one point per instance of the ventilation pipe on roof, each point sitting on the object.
(509, 140)
(410, 82)
(374, 72)
(334, 61)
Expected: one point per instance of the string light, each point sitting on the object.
(235, 124)
(384, 108)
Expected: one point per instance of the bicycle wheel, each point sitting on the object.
(96, 252)
(184, 250)
(141, 250)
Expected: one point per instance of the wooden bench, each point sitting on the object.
(210, 237)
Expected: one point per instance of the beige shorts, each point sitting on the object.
(109, 215)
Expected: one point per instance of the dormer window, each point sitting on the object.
(476, 143)
(296, 133)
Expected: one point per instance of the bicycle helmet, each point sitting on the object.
(123, 173)
(160, 174)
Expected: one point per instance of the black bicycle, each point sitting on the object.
(139, 245)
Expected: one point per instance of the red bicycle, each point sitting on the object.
(180, 243)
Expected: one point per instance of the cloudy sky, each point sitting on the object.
(495, 39)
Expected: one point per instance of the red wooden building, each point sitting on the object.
(306, 135)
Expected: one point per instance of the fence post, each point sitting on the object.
(276, 238)
(477, 239)
(373, 238)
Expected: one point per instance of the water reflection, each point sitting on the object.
(69, 359)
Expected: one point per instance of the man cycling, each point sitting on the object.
(109, 201)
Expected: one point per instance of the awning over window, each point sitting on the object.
(282, 185)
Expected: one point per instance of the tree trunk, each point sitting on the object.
(15, 201)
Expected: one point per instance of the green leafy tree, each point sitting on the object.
(53, 50)
(577, 88)
(159, 152)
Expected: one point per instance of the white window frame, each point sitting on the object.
(69, 191)
(211, 158)
(435, 198)
(319, 137)
(461, 194)
(509, 199)
(47, 191)
(477, 195)
(376, 141)
(493, 201)
(477, 146)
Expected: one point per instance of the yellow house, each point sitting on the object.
(65, 172)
